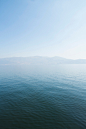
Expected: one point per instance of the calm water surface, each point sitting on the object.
(43, 97)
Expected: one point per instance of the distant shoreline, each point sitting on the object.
(38, 60)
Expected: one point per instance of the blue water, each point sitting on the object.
(43, 97)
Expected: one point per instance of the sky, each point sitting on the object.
(43, 28)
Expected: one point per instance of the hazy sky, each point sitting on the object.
(43, 28)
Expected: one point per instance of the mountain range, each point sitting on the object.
(39, 60)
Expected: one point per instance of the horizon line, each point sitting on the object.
(41, 56)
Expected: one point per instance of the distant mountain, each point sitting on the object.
(38, 60)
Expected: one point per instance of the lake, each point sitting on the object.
(43, 97)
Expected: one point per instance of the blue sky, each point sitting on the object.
(43, 28)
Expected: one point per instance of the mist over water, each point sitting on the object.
(43, 96)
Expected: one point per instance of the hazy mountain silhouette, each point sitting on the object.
(38, 60)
